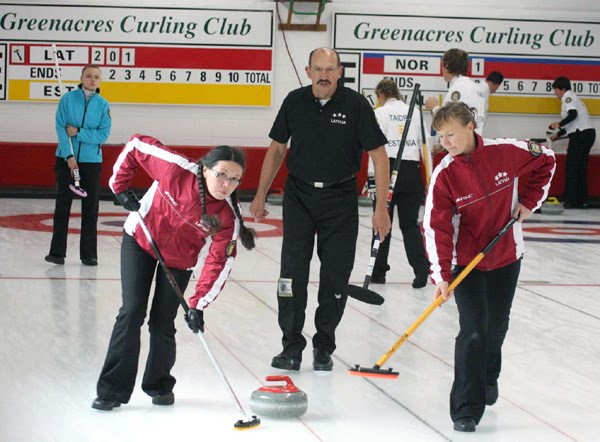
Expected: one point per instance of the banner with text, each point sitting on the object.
(221, 57)
(529, 53)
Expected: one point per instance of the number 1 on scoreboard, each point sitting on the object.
(477, 66)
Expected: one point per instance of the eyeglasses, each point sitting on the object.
(222, 176)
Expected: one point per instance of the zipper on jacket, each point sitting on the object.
(489, 203)
(85, 106)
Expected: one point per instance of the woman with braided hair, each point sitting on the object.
(186, 203)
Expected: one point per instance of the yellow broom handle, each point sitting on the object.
(426, 162)
(438, 301)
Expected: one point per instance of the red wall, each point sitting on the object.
(31, 165)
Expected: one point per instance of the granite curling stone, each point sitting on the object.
(279, 401)
(552, 206)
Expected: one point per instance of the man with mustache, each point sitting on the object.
(330, 126)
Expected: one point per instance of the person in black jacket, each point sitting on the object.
(330, 126)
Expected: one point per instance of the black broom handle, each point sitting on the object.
(185, 306)
(394, 179)
(168, 273)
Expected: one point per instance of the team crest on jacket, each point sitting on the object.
(568, 100)
(501, 178)
(230, 248)
(534, 148)
(455, 96)
(338, 118)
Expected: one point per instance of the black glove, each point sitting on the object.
(195, 320)
(129, 200)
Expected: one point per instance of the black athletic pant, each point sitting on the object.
(332, 214)
(483, 300)
(90, 182)
(578, 152)
(407, 198)
(118, 374)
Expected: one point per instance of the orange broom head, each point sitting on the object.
(374, 372)
(243, 424)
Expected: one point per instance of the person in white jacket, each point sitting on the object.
(409, 190)
(455, 64)
(577, 125)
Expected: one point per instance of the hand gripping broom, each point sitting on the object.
(247, 421)
(376, 371)
(363, 293)
(75, 187)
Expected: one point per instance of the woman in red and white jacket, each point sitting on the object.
(473, 193)
(187, 203)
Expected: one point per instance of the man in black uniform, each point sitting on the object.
(330, 126)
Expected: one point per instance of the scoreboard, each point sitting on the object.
(232, 68)
(530, 54)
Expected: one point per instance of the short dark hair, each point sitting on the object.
(495, 77)
(456, 61)
(387, 87)
(562, 83)
(337, 56)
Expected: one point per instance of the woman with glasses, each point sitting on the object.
(187, 203)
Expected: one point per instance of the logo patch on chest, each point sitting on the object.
(338, 118)
(501, 178)
(455, 96)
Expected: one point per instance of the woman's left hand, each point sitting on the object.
(72, 131)
(522, 213)
(554, 125)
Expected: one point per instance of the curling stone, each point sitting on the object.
(279, 401)
(552, 206)
(275, 198)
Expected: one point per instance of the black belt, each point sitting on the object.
(323, 184)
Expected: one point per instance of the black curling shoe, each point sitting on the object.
(89, 262)
(55, 259)
(286, 361)
(164, 399)
(420, 280)
(466, 424)
(491, 394)
(105, 404)
(321, 360)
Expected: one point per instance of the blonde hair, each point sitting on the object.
(453, 111)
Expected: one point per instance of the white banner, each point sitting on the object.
(136, 25)
(482, 35)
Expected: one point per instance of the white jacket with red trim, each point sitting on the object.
(472, 196)
(172, 209)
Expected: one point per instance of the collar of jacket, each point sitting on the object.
(80, 86)
(478, 150)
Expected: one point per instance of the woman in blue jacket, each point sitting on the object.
(84, 116)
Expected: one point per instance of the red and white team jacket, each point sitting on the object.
(172, 209)
(472, 196)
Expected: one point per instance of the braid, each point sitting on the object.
(246, 235)
(212, 221)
